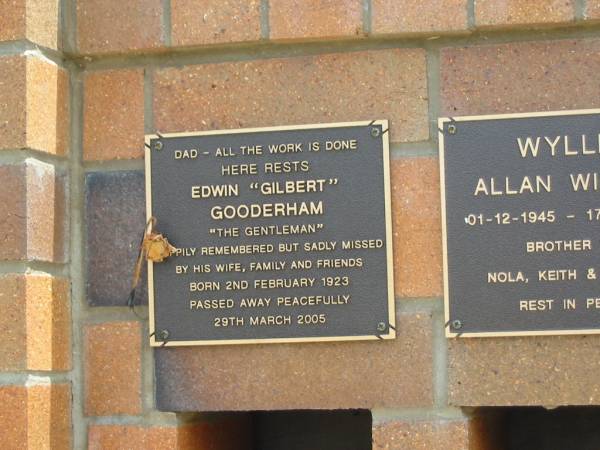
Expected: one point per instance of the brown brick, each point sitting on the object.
(300, 376)
(32, 204)
(416, 227)
(49, 416)
(495, 13)
(13, 416)
(509, 78)
(203, 22)
(383, 84)
(34, 314)
(557, 370)
(220, 434)
(113, 369)
(113, 117)
(34, 107)
(35, 20)
(298, 19)
(111, 26)
(419, 16)
(36, 416)
(592, 9)
(13, 25)
(442, 434)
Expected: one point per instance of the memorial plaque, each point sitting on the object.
(521, 223)
(282, 235)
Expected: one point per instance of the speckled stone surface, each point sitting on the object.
(418, 16)
(33, 201)
(48, 317)
(36, 417)
(416, 227)
(13, 19)
(49, 416)
(520, 77)
(112, 353)
(421, 435)
(47, 107)
(34, 106)
(382, 84)
(298, 19)
(201, 22)
(35, 318)
(113, 26)
(13, 109)
(113, 114)
(13, 203)
(35, 20)
(115, 219)
(47, 223)
(13, 415)
(556, 370)
(342, 375)
(519, 12)
(479, 433)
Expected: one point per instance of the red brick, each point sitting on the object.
(416, 227)
(34, 106)
(301, 376)
(496, 13)
(34, 314)
(204, 22)
(418, 16)
(113, 117)
(110, 26)
(298, 19)
(32, 201)
(219, 434)
(521, 77)
(383, 84)
(112, 369)
(441, 434)
(35, 20)
(36, 416)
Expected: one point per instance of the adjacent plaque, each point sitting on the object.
(283, 235)
(521, 223)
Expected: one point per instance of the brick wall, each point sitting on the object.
(80, 84)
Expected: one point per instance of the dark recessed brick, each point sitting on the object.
(115, 218)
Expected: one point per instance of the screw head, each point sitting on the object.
(375, 132)
(381, 326)
(452, 129)
(456, 324)
(163, 334)
(158, 145)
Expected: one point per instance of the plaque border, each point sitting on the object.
(476, 118)
(388, 229)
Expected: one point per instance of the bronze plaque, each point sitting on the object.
(282, 234)
(521, 223)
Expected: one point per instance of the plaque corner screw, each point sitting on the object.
(381, 326)
(163, 334)
(457, 324)
(158, 145)
(375, 132)
(452, 128)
